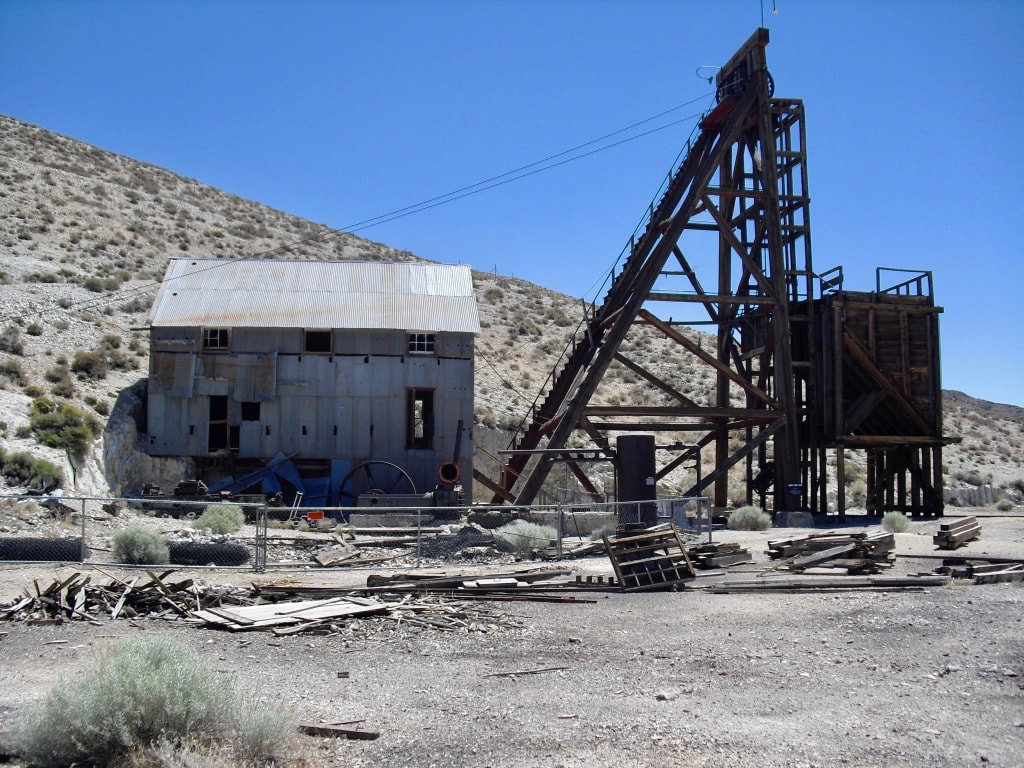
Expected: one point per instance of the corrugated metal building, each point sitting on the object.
(330, 363)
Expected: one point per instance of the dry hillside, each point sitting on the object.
(85, 236)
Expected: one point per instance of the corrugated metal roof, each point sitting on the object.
(218, 293)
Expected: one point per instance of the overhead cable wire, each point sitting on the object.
(522, 172)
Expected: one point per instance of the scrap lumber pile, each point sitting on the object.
(983, 571)
(583, 549)
(710, 556)
(835, 554)
(953, 535)
(829, 584)
(329, 615)
(652, 559)
(81, 597)
(535, 585)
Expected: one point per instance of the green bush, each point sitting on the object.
(12, 370)
(221, 518)
(750, 519)
(896, 522)
(142, 694)
(1004, 505)
(138, 546)
(89, 365)
(23, 470)
(522, 536)
(10, 340)
(62, 426)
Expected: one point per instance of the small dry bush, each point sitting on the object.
(896, 522)
(522, 536)
(142, 699)
(750, 519)
(138, 546)
(221, 518)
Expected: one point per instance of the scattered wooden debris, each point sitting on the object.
(653, 559)
(840, 553)
(519, 672)
(535, 584)
(583, 549)
(825, 583)
(79, 596)
(306, 613)
(711, 555)
(956, 534)
(155, 595)
(983, 571)
(337, 730)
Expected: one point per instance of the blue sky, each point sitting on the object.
(343, 111)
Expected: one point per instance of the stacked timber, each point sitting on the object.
(826, 554)
(953, 535)
(710, 556)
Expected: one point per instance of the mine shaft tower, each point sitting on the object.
(801, 366)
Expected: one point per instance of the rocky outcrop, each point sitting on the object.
(126, 464)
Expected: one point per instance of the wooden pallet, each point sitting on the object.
(653, 559)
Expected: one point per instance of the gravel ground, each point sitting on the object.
(691, 678)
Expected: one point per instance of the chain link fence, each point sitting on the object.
(249, 533)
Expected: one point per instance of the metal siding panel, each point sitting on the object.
(195, 412)
(245, 375)
(249, 442)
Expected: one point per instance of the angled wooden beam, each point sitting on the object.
(719, 366)
(654, 381)
(864, 359)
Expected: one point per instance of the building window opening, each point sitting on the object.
(421, 343)
(215, 338)
(250, 411)
(217, 435)
(419, 431)
(317, 342)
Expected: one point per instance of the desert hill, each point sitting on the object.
(85, 236)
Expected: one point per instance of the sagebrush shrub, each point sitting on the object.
(139, 692)
(63, 426)
(89, 365)
(22, 470)
(10, 340)
(896, 522)
(221, 518)
(523, 536)
(750, 519)
(137, 546)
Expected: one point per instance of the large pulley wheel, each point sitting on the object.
(374, 478)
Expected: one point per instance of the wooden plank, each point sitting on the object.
(337, 731)
(124, 596)
(825, 554)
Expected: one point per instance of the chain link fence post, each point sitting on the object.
(85, 550)
(260, 553)
(560, 528)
